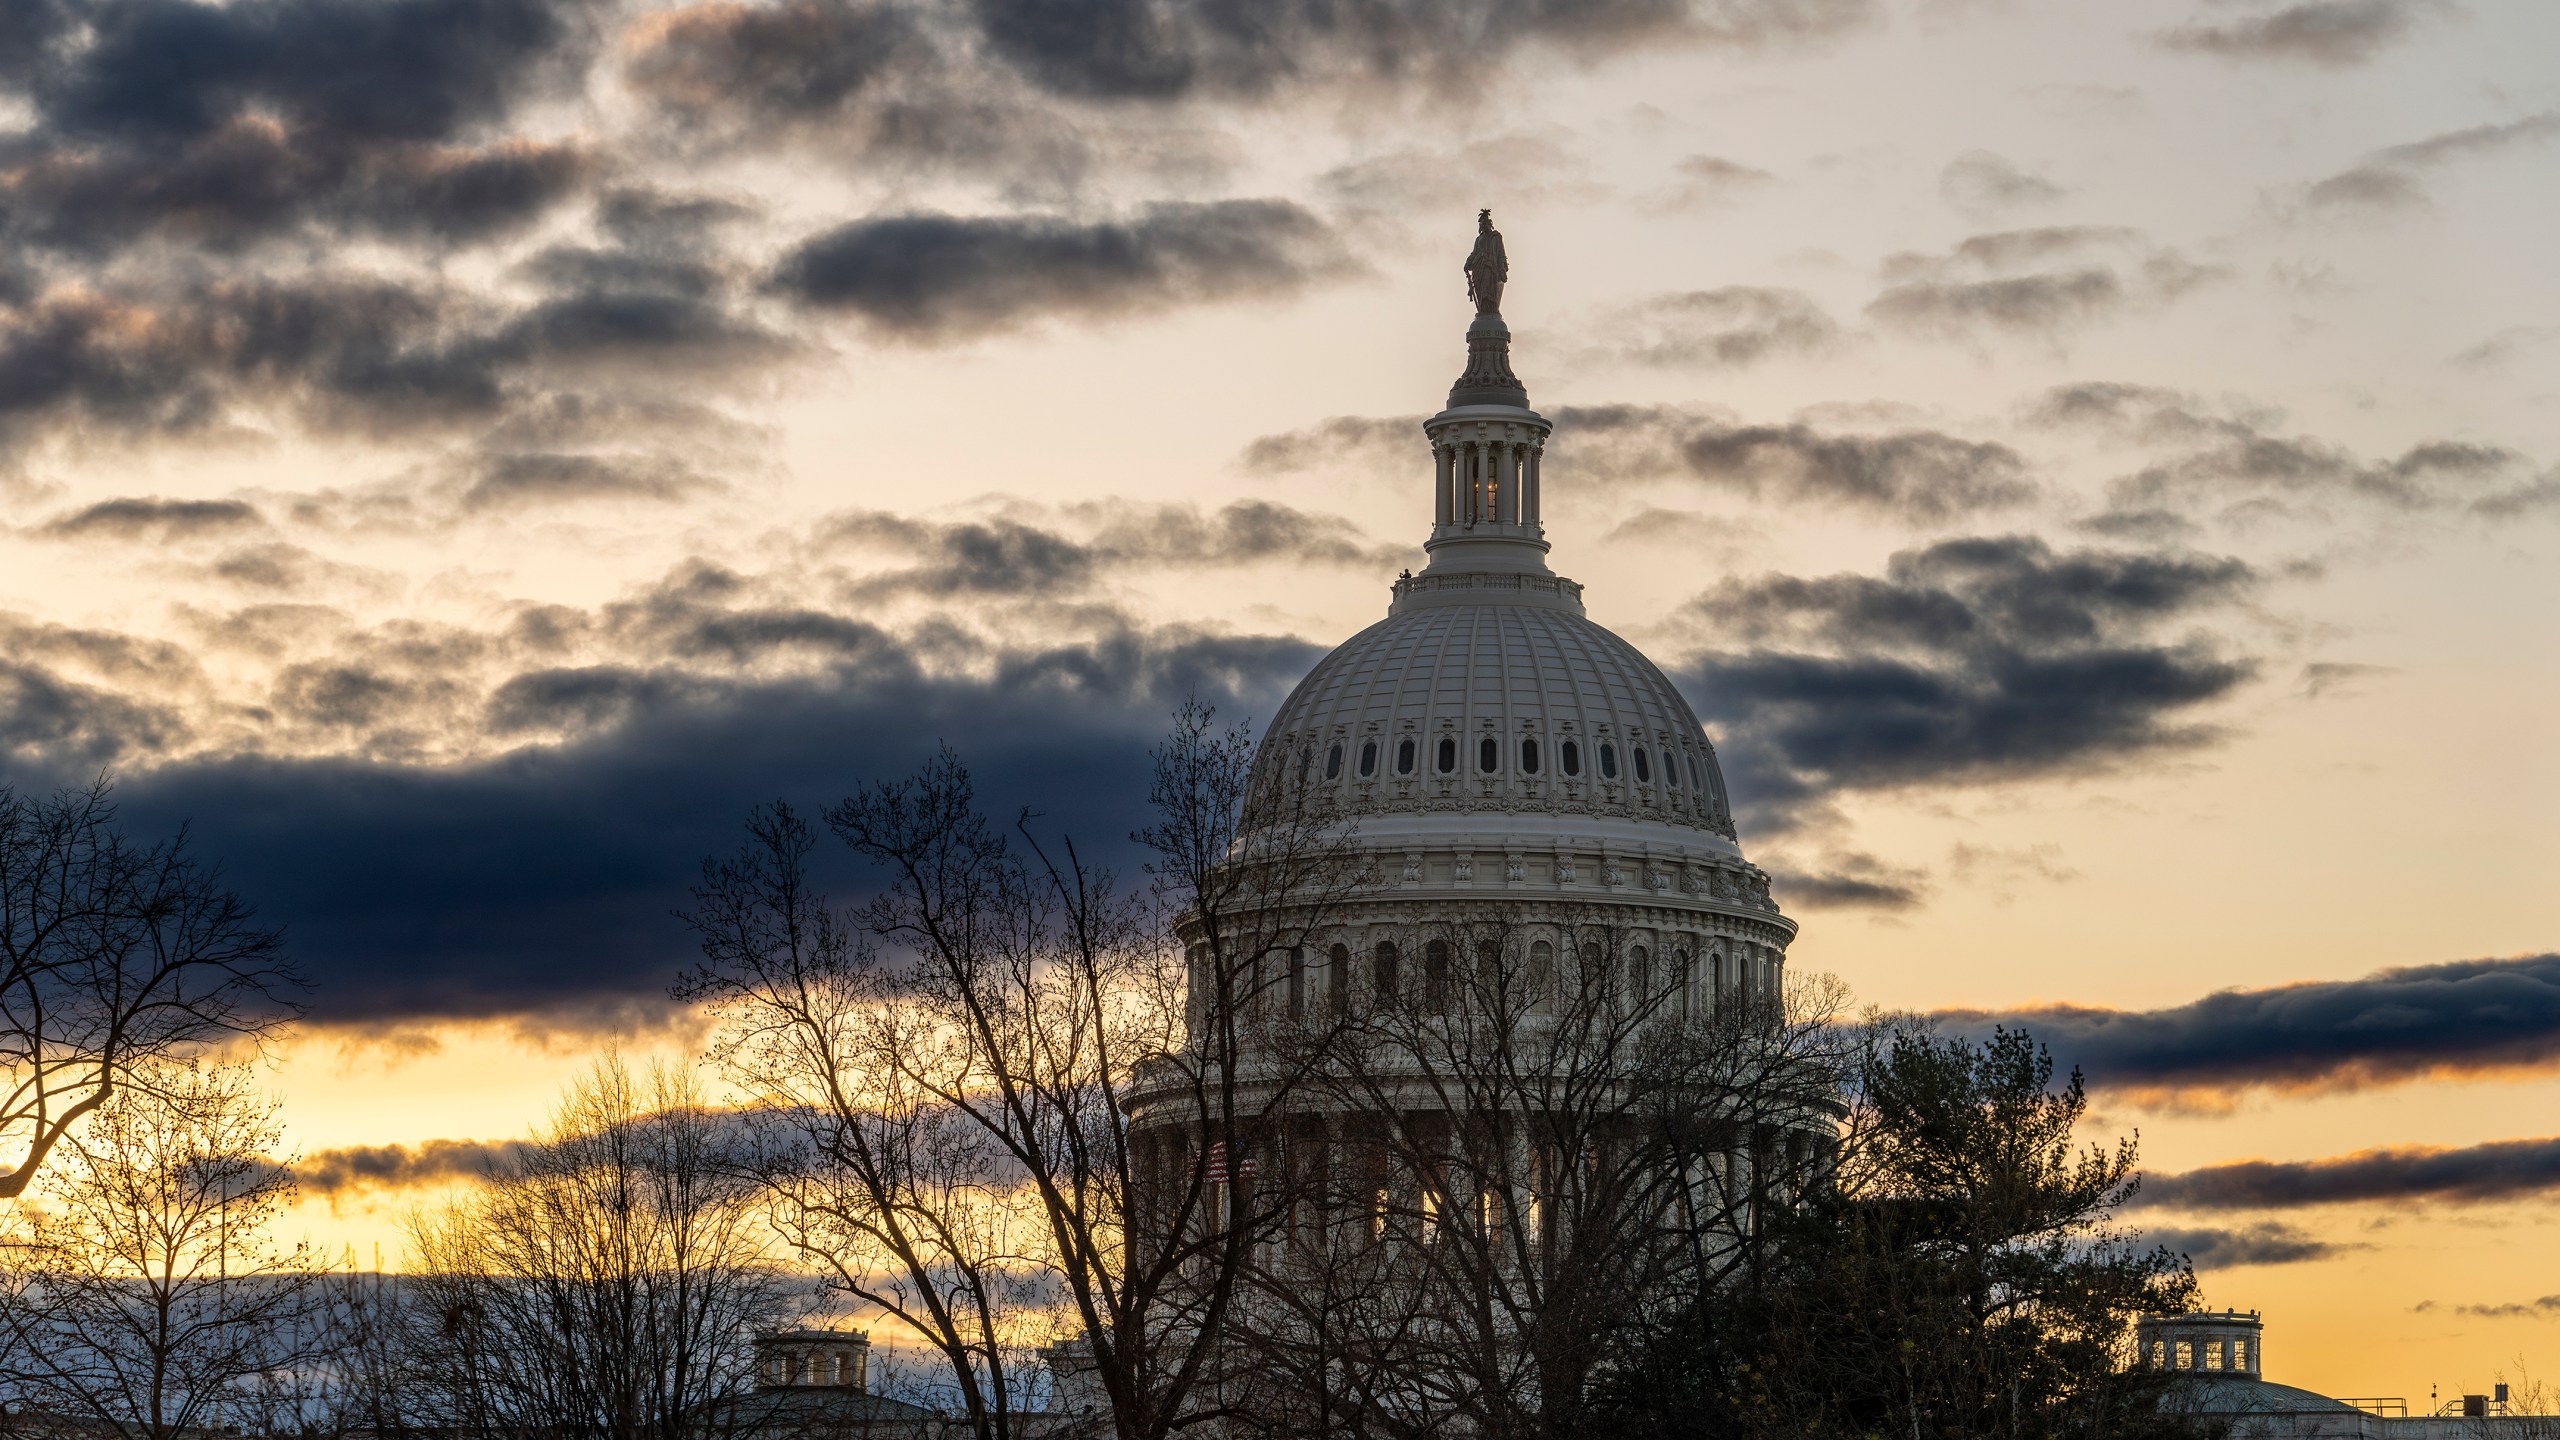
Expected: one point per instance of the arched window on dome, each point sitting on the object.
(1608, 761)
(1489, 755)
(1368, 758)
(1435, 976)
(1569, 755)
(1644, 768)
(1404, 756)
(1382, 972)
(1448, 755)
(1539, 986)
(1528, 757)
(1671, 769)
(1306, 765)
(1337, 979)
(1333, 762)
(1697, 782)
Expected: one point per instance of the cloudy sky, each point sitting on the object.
(2094, 466)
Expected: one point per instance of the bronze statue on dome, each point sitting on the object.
(1487, 267)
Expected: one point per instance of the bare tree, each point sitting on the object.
(604, 1284)
(961, 1057)
(153, 1300)
(114, 955)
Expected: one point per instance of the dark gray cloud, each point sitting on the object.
(2234, 456)
(1850, 882)
(1728, 327)
(1969, 661)
(1022, 556)
(2395, 178)
(540, 883)
(934, 278)
(516, 481)
(2269, 1244)
(1709, 180)
(2391, 1027)
(216, 125)
(2468, 1175)
(391, 1167)
(1919, 475)
(2314, 32)
(155, 519)
(2544, 1308)
(1373, 439)
(2043, 282)
(1982, 184)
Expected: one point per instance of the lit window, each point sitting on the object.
(1333, 762)
(1489, 755)
(1404, 756)
(1448, 755)
(1571, 754)
(1528, 757)
(1368, 758)
(1644, 770)
(1608, 761)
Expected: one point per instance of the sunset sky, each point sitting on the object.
(2095, 467)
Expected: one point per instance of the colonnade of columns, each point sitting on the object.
(1486, 482)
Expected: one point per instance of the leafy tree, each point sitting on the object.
(1961, 1275)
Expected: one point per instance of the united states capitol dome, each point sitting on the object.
(1486, 703)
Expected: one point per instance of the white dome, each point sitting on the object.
(1581, 723)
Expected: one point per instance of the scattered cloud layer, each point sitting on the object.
(944, 277)
(2395, 178)
(2233, 460)
(1983, 185)
(1728, 327)
(400, 1167)
(2332, 33)
(2465, 1017)
(1970, 661)
(2047, 283)
(2473, 1174)
(2265, 1244)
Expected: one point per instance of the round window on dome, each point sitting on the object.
(1404, 756)
(1528, 757)
(1569, 755)
(1368, 758)
(1608, 761)
(1489, 755)
(1448, 754)
(1644, 770)
(1333, 762)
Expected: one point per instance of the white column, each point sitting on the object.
(1529, 487)
(1442, 464)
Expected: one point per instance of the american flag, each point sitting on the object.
(1216, 1167)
